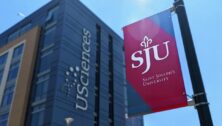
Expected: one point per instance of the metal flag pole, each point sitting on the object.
(201, 103)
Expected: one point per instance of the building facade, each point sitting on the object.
(135, 121)
(60, 62)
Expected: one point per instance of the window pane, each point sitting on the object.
(13, 72)
(49, 36)
(3, 120)
(45, 63)
(37, 118)
(8, 95)
(18, 51)
(3, 59)
(41, 90)
(3, 123)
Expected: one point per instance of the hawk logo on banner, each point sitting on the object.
(152, 66)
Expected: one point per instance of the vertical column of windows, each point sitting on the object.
(11, 74)
(111, 84)
(97, 83)
(42, 78)
(4, 78)
(48, 40)
(47, 44)
(44, 65)
(15, 63)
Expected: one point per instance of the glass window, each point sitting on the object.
(14, 68)
(3, 123)
(8, 95)
(18, 51)
(41, 90)
(3, 59)
(49, 36)
(13, 72)
(43, 76)
(37, 117)
(45, 63)
(3, 119)
(50, 26)
(47, 51)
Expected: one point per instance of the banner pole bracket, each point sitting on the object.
(192, 102)
(172, 9)
(176, 5)
(198, 94)
(200, 104)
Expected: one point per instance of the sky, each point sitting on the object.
(205, 19)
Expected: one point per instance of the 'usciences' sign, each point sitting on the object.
(77, 78)
(152, 66)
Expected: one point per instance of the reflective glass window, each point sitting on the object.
(18, 51)
(45, 62)
(49, 36)
(7, 97)
(41, 90)
(3, 119)
(3, 59)
(37, 117)
(13, 72)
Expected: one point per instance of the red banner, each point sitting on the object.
(152, 66)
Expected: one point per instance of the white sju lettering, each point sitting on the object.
(138, 59)
(137, 56)
(156, 51)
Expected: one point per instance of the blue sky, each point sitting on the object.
(205, 19)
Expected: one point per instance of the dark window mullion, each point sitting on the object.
(111, 84)
(97, 83)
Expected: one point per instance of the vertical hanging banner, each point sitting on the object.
(153, 71)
